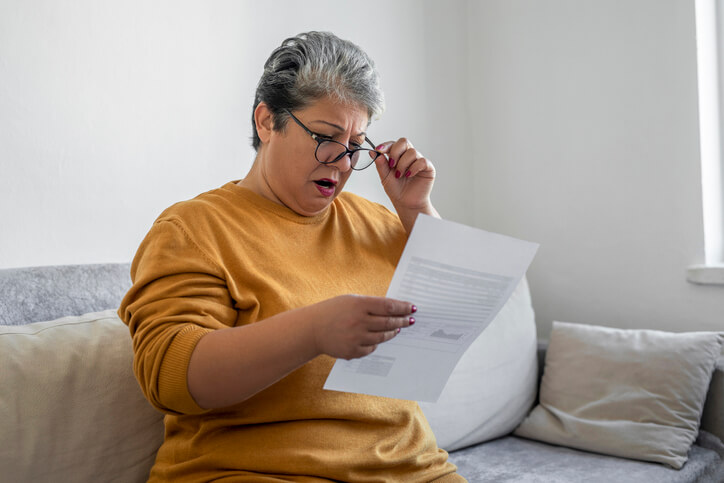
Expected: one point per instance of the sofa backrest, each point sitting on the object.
(34, 294)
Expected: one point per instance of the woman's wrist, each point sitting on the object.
(408, 215)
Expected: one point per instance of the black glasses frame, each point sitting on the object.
(344, 153)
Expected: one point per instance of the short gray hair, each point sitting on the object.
(311, 66)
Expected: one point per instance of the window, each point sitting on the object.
(710, 59)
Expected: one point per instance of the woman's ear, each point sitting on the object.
(264, 122)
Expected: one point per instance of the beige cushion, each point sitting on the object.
(631, 393)
(70, 408)
(495, 382)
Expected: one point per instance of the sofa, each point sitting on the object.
(62, 418)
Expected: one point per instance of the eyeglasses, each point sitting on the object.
(329, 151)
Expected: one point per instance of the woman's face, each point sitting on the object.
(291, 174)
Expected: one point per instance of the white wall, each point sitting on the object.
(572, 123)
(589, 145)
(111, 111)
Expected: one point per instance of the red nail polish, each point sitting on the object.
(414, 309)
(392, 162)
(398, 330)
(412, 320)
(397, 173)
(407, 174)
(380, 147)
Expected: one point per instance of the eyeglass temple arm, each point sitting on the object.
(371, 144)
(314, 136)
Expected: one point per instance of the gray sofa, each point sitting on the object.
(46, 293)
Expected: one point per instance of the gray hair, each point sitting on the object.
(311, 66)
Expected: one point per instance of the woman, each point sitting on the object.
(244, 296)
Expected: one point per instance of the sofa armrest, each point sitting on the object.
(712, 418)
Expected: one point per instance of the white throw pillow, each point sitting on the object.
(70, 407)
(632, 393)
(495, 382)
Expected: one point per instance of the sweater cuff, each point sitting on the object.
(173, 388)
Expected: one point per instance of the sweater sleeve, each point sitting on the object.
(178, 295)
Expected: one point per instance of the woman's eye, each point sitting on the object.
(352, 144)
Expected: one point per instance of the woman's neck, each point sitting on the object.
(257, 182)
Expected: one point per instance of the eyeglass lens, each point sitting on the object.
(331, 151)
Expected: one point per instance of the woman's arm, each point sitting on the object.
(230, 365)
(407, 177)
(188, 352)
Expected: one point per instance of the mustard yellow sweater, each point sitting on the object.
(230, 257)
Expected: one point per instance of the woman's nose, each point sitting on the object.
(344, 164)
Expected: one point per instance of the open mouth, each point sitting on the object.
(326, 186)
(325, 183)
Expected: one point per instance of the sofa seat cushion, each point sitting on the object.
(70, 407)
(518, 460)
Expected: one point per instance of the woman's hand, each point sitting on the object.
(351, 326)
(407, 177)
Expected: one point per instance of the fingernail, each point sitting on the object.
(412, 320)
(398, 330)
(414, 309)
(397, 173)
(380, 147)
(407, 174)
(392, 162)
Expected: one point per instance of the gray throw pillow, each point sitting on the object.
(631, 393)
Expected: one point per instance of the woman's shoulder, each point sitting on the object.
(211, 203)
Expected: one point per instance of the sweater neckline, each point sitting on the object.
(275, 208)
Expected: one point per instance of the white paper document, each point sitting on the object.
(459, 277)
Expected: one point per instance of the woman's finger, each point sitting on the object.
(376, 338)
(421, 165)
(385, 307)
(398, 148)
(384, 147)
(389, 323)
(406, 161)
